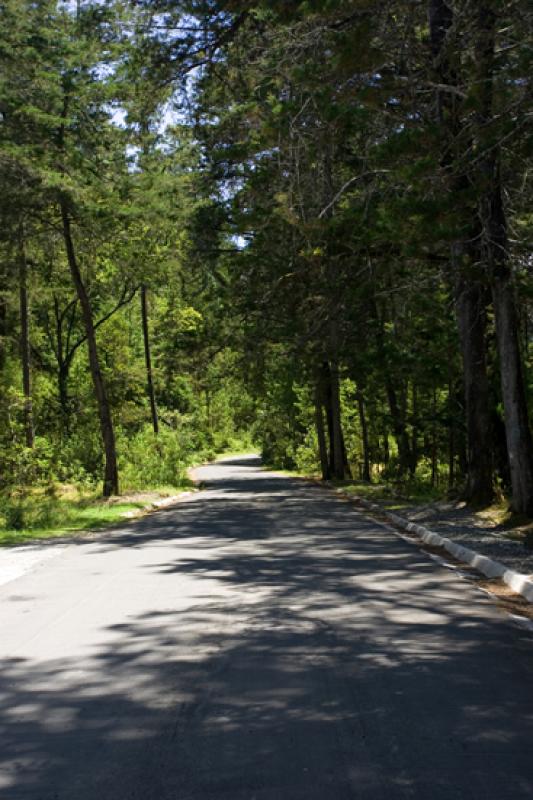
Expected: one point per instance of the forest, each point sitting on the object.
(301, 227)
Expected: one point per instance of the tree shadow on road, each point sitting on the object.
(330, 660)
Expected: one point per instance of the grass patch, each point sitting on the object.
(392, 495)
(290, 473)
(46, 513)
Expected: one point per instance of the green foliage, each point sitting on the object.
(293, 217)
(148, 461)
(40, 515)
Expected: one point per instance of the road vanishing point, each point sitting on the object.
(261, 640)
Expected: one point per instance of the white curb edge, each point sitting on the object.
(516, 581)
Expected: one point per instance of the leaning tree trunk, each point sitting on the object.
(104, 412)
(148, 359)
(25, 344)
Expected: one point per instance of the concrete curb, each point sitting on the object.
(516, 581)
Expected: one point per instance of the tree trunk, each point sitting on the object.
(320, 431)
(517, 429)
(399, 428)
(470, 300)
(413, 463)
(451, 432)
(106, 424)
(338, 467)
(495, 256)
(63, 365)
(339, 453)
(470, 307)
(386, 448)
(64, 402)
(364, 436)
(148, 359)
(434, 443)
(25, 344)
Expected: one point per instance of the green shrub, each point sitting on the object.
(146, 460)
(14, 514)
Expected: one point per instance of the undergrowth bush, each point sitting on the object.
(14, 513)
(146, 460)
(25, 466)
(31, 510)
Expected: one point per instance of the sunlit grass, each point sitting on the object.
(48, 513)
(393, 496)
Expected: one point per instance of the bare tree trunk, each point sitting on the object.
(25, 343)
(148, 359)
(106, 424)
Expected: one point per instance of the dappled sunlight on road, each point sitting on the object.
(274, 644)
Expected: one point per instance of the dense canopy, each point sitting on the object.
(302, 226)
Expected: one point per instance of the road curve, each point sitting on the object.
(260, 641)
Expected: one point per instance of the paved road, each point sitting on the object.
(261, 641)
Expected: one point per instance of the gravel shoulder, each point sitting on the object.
(467, 528)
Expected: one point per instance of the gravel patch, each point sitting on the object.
(462, 526)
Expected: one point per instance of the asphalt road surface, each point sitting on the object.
(260, 641)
